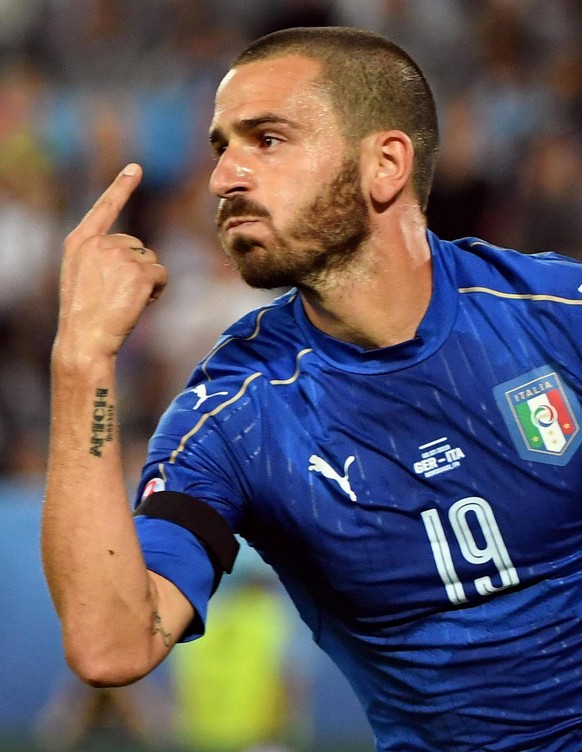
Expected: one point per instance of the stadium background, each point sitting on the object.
(88, 85)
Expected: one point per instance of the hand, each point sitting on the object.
(106, 280)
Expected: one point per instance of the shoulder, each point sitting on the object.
(482, 267)
(266, 341)
(264, 348)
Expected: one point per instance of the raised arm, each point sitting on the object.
(118, 619)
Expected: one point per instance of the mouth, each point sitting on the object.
(235, 222)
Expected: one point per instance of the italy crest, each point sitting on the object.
(542, 414)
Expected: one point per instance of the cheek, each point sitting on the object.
(294, 183)
(322, 162)
(284, 197)
(291, 204)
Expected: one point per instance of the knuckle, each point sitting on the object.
(127, 238)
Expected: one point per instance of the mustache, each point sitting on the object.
(239, 206)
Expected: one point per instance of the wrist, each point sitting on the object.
(79, 358)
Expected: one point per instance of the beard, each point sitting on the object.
(327, 235)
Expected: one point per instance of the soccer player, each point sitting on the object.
(398, 435)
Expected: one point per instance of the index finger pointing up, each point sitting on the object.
(102, 215)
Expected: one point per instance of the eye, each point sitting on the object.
(218, 147)
(267, 141)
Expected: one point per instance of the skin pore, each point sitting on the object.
(301, 206)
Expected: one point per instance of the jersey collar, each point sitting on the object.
(431, 334)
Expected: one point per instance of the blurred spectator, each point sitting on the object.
(511, 100)
(95, 43)
(549, 207)
(82, 718)
(461, 196)
(236, 689)
(29, 200)
(566, 80)
(30, 236)
(437, 35)
(18, 19)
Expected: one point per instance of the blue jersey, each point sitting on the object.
(421, 503)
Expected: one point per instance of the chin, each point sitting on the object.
(260, 265)
(263, 276)
(263, 279)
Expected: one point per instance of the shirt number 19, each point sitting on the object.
(492, 550)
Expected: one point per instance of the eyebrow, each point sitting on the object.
(247, 125)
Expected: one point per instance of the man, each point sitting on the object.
(398, 436)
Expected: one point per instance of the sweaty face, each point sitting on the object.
(292, 208)
(323, 235)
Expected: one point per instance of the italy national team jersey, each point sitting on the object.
(421, 503)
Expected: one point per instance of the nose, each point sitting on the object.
(231, 175)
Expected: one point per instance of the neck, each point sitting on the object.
(381, 297)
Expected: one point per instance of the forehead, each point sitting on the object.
(283, 85)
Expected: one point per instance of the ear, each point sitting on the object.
(387, 160)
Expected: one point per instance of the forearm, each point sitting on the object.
(112, 609)
(93, 563)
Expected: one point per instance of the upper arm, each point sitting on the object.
(190, 502)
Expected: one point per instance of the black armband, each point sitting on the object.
(201, 520)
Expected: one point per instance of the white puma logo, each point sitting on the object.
(202, 394)
(319, 465)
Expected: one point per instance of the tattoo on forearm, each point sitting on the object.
(159, 629)
(102, 422)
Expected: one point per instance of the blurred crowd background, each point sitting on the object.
(89, 85)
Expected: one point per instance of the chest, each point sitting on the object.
(412, 491)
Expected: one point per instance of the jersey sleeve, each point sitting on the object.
(176, 554)
(193, 478)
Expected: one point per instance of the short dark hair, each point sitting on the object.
(373, 85)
